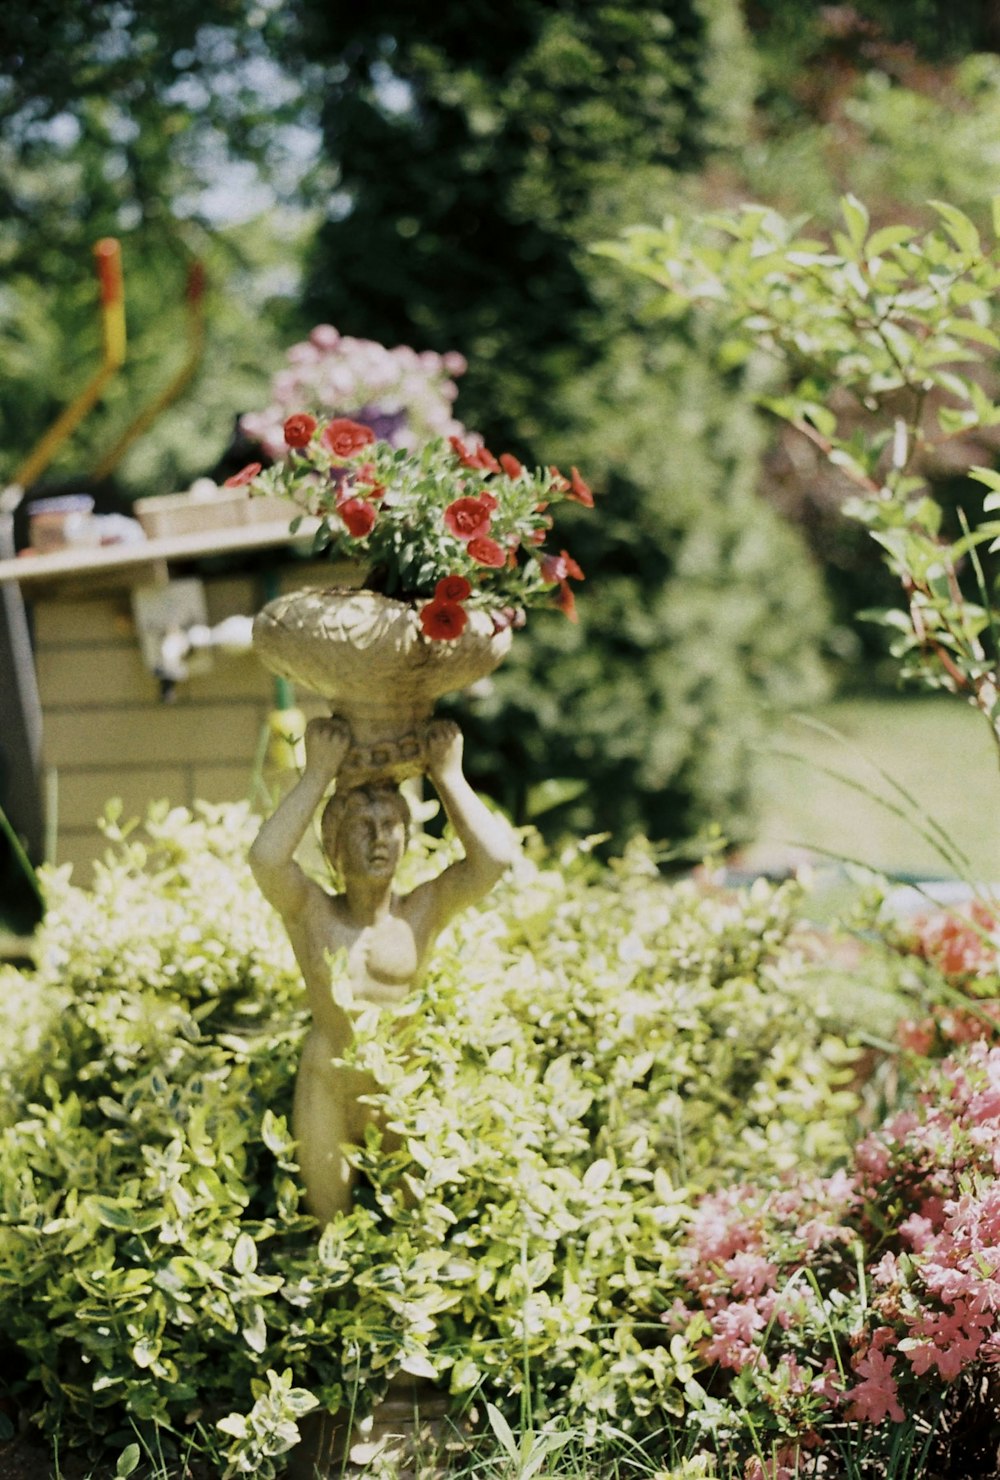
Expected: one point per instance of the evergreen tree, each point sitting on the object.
(480, 151)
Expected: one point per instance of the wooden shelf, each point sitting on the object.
(73, 563)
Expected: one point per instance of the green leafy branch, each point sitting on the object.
(879, 347)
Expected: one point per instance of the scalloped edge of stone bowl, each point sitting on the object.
(367, 655)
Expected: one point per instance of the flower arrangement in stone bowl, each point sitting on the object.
(447, 527)
(404, 395)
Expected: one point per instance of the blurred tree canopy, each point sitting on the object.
(472, 142)
(121, 119)
(442, 173)
(938, 30)
(480, 152)
(471, 155)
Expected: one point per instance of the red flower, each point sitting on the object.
(358, 516)
(510, 465)
(485, 551)
(344, 436)
(482, 460)
(467, 518)
(566, 601)
(560, 484)
(452, 588)
(488, 501)
(245, 475)
(443, 620)
(561, 567)
(578, 490)
(299, 428)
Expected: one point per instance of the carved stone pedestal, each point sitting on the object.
(408, 1430)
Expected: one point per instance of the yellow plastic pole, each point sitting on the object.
(108, 258)
(196, 344)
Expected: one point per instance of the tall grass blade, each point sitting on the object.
(910, 812)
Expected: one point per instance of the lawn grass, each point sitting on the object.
(936, 748)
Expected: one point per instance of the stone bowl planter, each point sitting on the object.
(368, 656)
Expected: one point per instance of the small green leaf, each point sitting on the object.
(274, 1133)
(128, 1461)
(554, 791)
(417, 1365)
(120, 1215)
(856, 219)
(887, 237)
(597, 1174)
(958, 226)
(980, 333)
(244, 1255)
(146, 1350)
(254, 1333)
(501, 1429)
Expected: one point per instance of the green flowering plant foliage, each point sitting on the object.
(445, 524)
(879, 347)
(582, 1061)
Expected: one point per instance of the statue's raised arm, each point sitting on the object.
(272, 855)
(485, 837)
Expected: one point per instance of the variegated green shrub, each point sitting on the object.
(589, 1051)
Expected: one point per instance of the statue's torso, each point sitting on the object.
(384, 960)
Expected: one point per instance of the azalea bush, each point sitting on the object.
(829, 1316)
(586, 1057)
(406, 395)
(954, 954)
(449, 524)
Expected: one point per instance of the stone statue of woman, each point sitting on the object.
(387, 936)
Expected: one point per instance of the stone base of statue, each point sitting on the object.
(408, 1431)
(368, 656)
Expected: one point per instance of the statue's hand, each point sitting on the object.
(442, 747)
(327, 744)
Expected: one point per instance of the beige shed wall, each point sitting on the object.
(106, 731)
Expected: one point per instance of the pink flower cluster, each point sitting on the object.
(859, 1296)
(412, 392)
(963, 943)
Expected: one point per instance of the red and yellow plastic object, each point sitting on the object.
(108, 261)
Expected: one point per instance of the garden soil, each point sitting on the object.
(21, 1460)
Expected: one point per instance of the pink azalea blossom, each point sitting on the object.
(876, 1397)
(733, 1330)
(750, 1273)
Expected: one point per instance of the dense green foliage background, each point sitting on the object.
(440, 180)
(583, 1058)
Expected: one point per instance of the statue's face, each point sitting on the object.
(371, 838)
